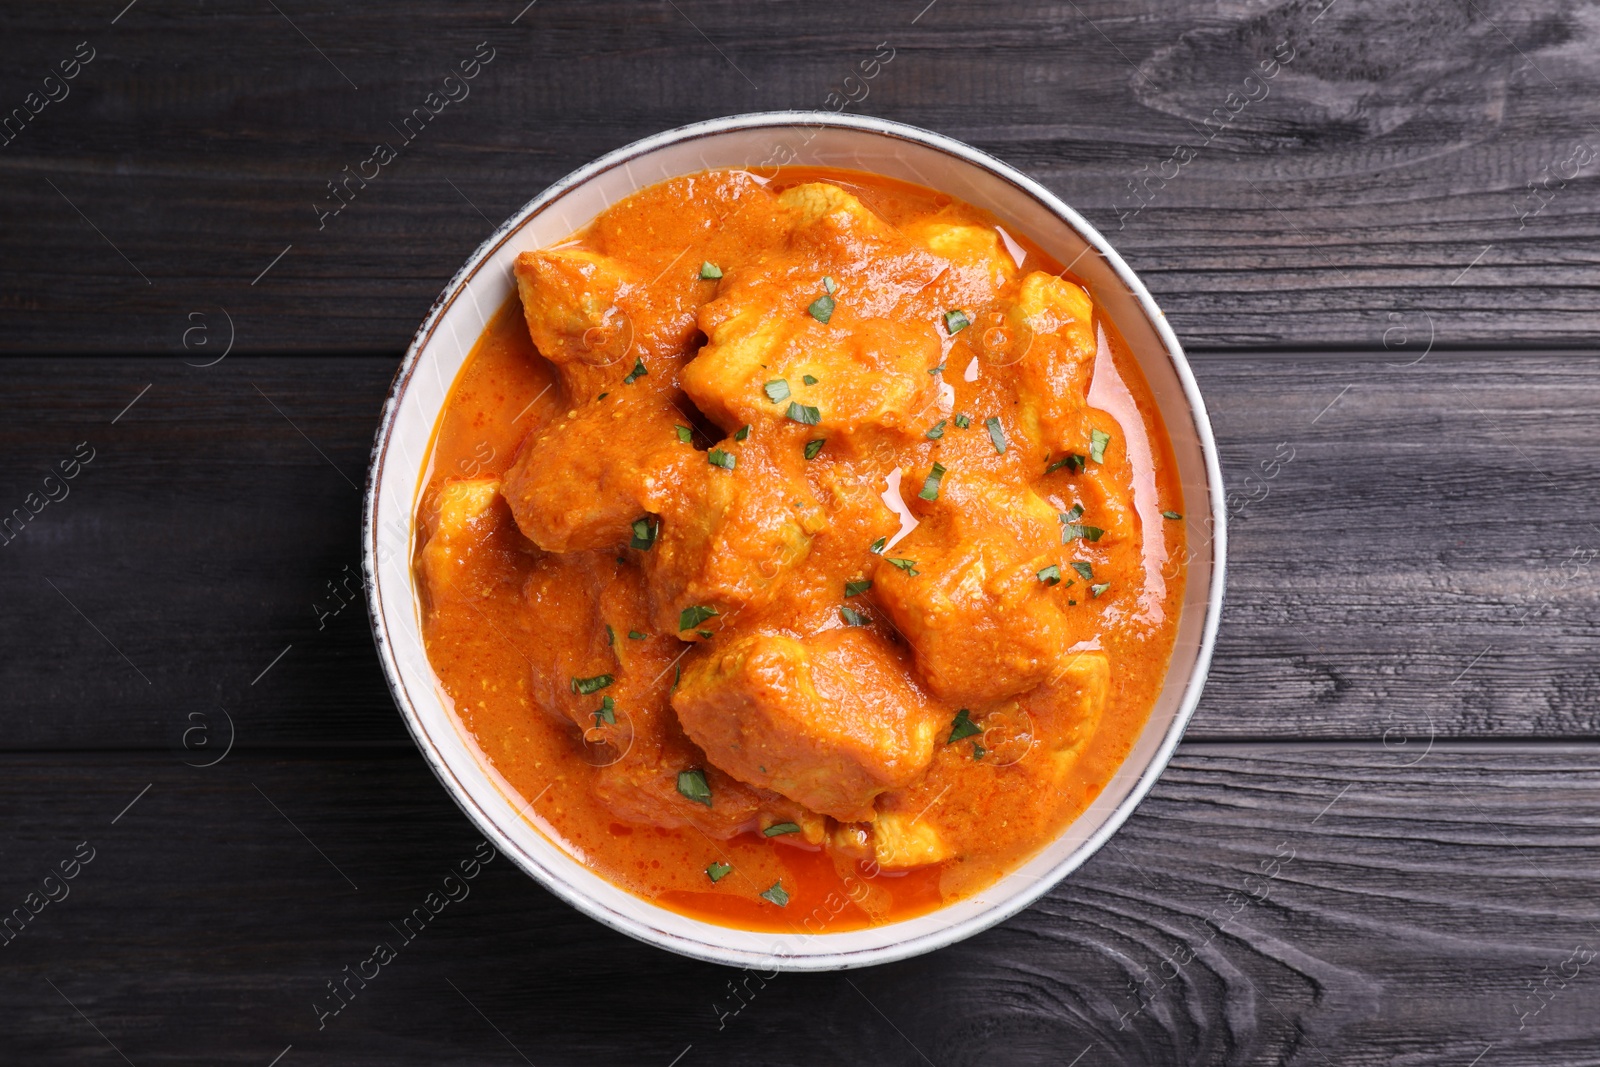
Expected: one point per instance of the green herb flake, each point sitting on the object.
(851, 616)
(636, 373)
(685, 434)
(585, 686)
(877, 546)
(692, 784)
(956, 321)
(1098, 439)
(644, 533)
(677, 675)
(744, 432)
(963, 726)
(907, 565)
(937, 431)
(829, 286)
(804, 414)
(776, 895)
(1074, 515)
(1070, 531)
(996, 434)
(1096, 590)
(606, 712)
(777, 390)
(635, 635)
(611, 635)
(1051, 575)
(930, 484)
(808, 379)
(778, 829)
(601, 397)
(694, 615)
(813, 447)
(936, 370)
(857, 588)
(962, 421)
(822, 308)
(1071, 460)
(978, 751)
(710, 272)
(718, 871)
(1173, 515)
(1085, 571)
(718, 458)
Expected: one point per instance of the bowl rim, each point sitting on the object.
(552, 880)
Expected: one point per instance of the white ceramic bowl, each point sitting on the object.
(400, 455)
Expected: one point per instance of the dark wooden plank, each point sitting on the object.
(1330, 905)
(1362, 186)
(1414, 550)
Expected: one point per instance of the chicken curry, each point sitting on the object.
(803, 550)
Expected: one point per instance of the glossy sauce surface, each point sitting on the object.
(993, 600)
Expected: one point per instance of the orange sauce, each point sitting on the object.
(482, 649)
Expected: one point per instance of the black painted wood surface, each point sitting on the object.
(1377, 845)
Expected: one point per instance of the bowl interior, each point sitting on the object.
(483, 285)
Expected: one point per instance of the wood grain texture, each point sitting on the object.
(1414, 550)
(1381, 175)
(1337, 904)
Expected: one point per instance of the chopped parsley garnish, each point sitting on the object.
(677, 674)
(601, 397)
(1096, 590)
(1072, 530)
(606, 712)
(963, 726)
(635, 635)
(956, 321)
(937, 431)
(1098, 439)
(813, 447)
(694, 615)
(962, 421)
(777, 390)
(808, 379)
(611, 635)
(707, 634)
(930, 484)
(644, 533)
(1173, 515)
(936, 370)
(718, 458)
(996, 434)
(744, 431)
(636, 373)
(1051, 575)
(1085, 571)
(804, 414)
(877, 546)
(978, 751)
(776, 895)
(685, 434)
(1074, 515)
(829, 286)
(692, 784)
(907, 565)
(822, 308)
(710, 271)
(585, 686)
(718, 871)
(1072, 460)
(857, 588)
(851, 616)
(778, 829)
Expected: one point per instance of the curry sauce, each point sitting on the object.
(803, 552)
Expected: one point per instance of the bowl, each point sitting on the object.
(759, 142)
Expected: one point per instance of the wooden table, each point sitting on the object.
(1379, 843)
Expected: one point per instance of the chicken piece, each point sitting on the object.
(581, 480)
(900, 842)
(465, 517)
(982, 622)
(1066, 710)
(830, 722)
(1052, 354)
(729, 538)
(858, 374)
(979, 264)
